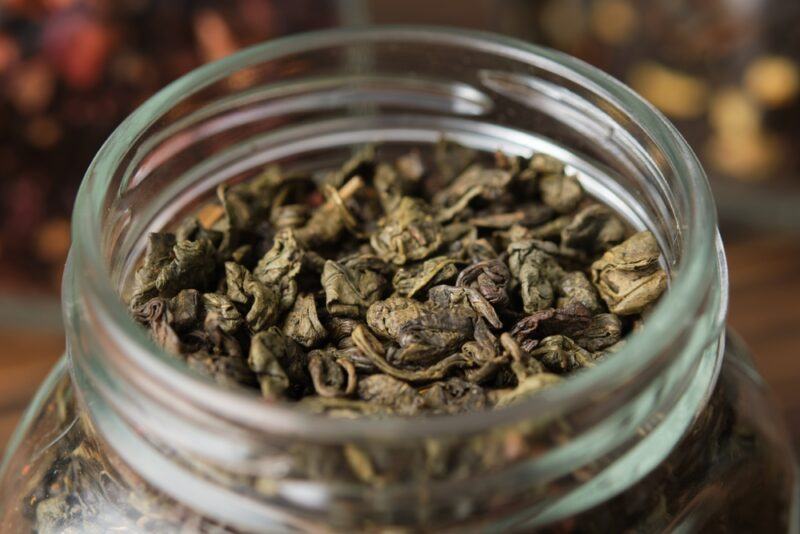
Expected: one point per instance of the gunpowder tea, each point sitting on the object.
(400, 286)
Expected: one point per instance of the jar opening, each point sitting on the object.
(180, 125)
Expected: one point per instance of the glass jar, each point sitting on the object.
(674, 432)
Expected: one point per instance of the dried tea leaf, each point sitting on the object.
(263, 302)
(549, 230)
(628, 276)
(527, 216)
(568, 321)
(604, 331)
(544, 164)
(523, 365)
(279, 267)
(525, 389)
(575, 288)
(415, 278)
(430, 337)
(475, 181)
(593, 229)
(331, 377)
(560, 355)
(229, 371)
(408, 233)
(302, 323)
(359, 164)
(222, 312)
(561, 192)
(385, 317)
(192, 267)
(157, 256)
(373, 349)
(156, 315)
(327, 222)
(186, 308)
(239, 213)
(454, 395)
(490, 278)
(278, 362)
(353, 284)
(535, 272)
(463, 301)
(388, 391)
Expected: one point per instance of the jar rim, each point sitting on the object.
(686, 294)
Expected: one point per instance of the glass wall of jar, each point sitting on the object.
(675, 431)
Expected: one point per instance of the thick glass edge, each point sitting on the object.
(678, 304)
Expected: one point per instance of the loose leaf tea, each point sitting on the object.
(399, 286)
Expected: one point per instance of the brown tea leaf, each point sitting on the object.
(408, 233)
(415, 278)
(302, 323)
(628, 276)
(353, 284)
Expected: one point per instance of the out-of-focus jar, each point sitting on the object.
(70, 72)
(726, 72)
(675, 432)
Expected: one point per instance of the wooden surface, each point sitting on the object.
(765, 290)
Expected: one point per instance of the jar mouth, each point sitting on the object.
(667, 321)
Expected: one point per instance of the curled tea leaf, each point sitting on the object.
(463, 301)
(454, 395)
(226, 370)
(451, 159)
(536, 272)
(155, 313)
(538, 325)
(415, 278)
(352, 284)
(157, 256)
(604, 331)
(192, 267)
(490, 278)
(593, 229)
(327, 222)
(385, 317)
(359, 164)
(575, 288)
(628, 276)
(408, 233)
(561, 192)
(525, 389)
(243, 288)
(331, 378)
(475, 181)
(186, 308)
(431, 336)
(279, 267)
(560, 354)
(373, 349)
(302, 323)
(278, 362)
(388, 391)
(221, 312)
(410, 166)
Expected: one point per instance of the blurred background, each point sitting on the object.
(726, 72)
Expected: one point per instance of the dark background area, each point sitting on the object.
(727, 73)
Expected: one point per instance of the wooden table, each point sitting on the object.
(765, 290)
